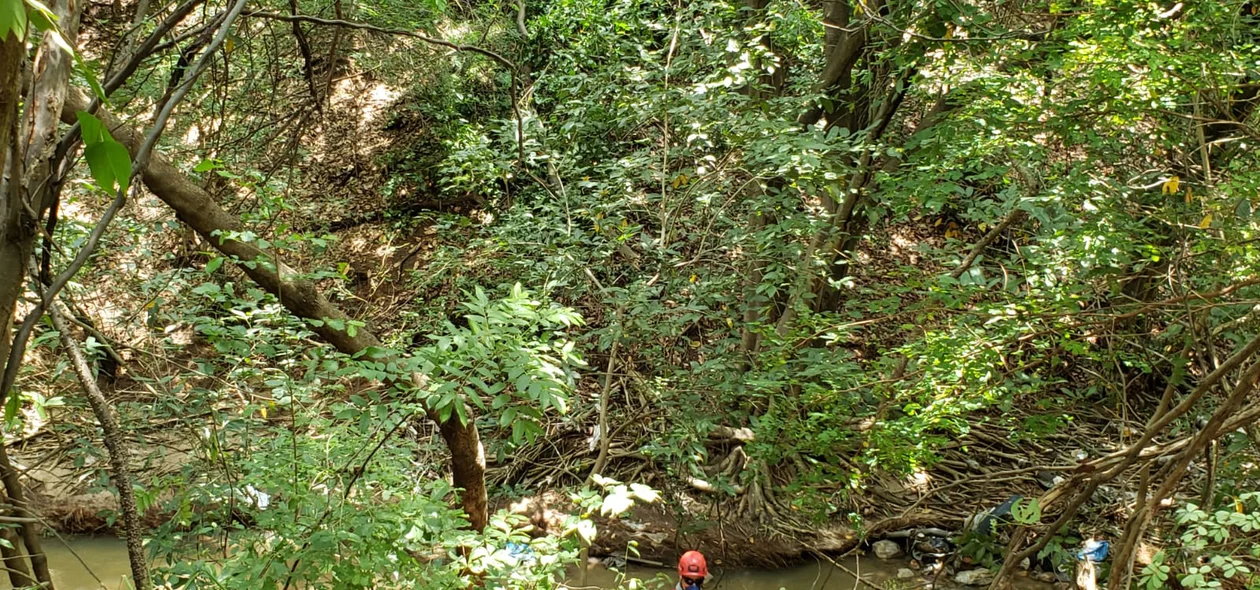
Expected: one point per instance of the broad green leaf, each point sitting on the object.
(644, 493)
(42, 21)
(586, 530)
(616, 503)
(12, 19)
(1243, 210)
(11, 406)
(98, 163)
(92, 129)
(119, 162)
(41, 7)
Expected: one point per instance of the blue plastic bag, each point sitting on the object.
(1093, 550)
(521, 552)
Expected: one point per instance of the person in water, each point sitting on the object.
(692, 570)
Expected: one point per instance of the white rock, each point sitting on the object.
(886, 549)
(905, 573)
(976, 577)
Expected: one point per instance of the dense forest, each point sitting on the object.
(444, 294)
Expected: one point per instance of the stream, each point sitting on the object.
(107, 559)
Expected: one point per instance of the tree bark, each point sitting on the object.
(14, 559)
(844, 47)
(300, 296)
(13, 254)
(17, 232)
(118, 452)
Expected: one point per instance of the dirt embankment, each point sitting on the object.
(657, 532)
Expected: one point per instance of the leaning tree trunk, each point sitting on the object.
(198, 209)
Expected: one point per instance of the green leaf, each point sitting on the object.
(85, 70)
(1027, 511)
(214, 264)
(120, 162)
(98, 162)
(586, 530)
(644, 493)
(616, 503)
(42, 21)
(92, 129)
(11, 407)
(59, 40)
(110, 164)
(12, 18)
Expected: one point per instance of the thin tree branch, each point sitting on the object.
(302, 18)
(511, 66)
(989, 238)
(117, 447)
(120, 198)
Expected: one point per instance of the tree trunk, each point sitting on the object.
(16, 238)
(29, 531)
(25, 155)
(845, 43)
(118, 452)
(14, 559)
(13, 254)
(753, 301)
(198, 209)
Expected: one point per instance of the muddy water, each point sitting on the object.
(106, 561)
(819, 575)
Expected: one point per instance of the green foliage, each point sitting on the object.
(1214, 547)
(12, 19)
(650, 174)
(109, 160)
(513, 353)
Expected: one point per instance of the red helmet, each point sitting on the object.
(692, 565)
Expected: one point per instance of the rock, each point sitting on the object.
(976, 577)
(885, 549)
(905, 573)
(1047, 577)
(614, 562)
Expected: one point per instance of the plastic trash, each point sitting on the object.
(520, 552)
(986, 522)
(1093, 550)
(260, 498)
(929, 550)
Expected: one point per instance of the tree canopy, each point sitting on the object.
(324, 291)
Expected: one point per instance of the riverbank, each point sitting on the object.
(84, 562)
